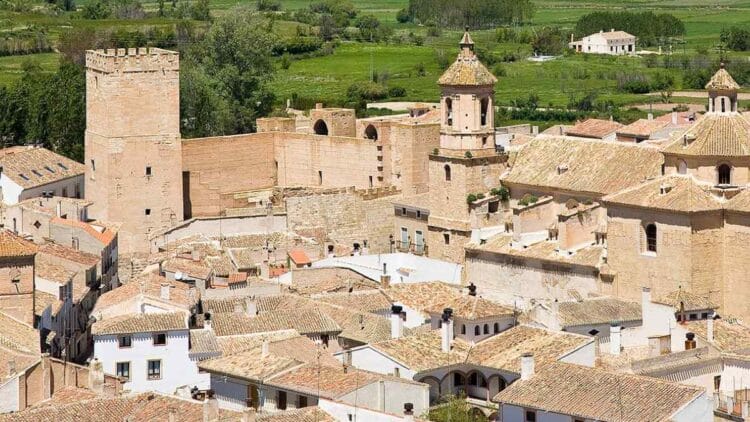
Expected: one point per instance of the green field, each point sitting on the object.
(327, 78)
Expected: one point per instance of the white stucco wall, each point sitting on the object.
(699, 410)
(10, 191)
(231, 393)
(517, 414)
(585, 355)
(9, 396)
(369, 359)
(57, 187)
(422, 269)
(343, 411)
(176, 367)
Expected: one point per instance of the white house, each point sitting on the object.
(567, 392)
(150, 350)
(31, 171)
(612, 42)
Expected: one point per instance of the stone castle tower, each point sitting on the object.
(133, 148)
(466, 161)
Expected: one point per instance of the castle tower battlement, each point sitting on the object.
(128, 60)
(133, 153)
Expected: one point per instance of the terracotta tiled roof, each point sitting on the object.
(655, 366)
(140, 323)
(306, 414)
(421, 200)
(13, 245)
(599, 395)
(299, 257)
(363, 300)
(309, 321)
(105, 235)
(423, 296)
(728, 336)
(716, 135)
(31, 167)
(471, 308)
(69, 254)
(249, 365)
(237, 277)
(204, 342)
(43, 300)
(230, 345)
(423, 351)
(740, 202)
(691, 301)
(504, 350)
(67, 395)
(722, 81)
(615, 35)
(150, 285)
(467, 70)
(667, 193)
(588, 256)
(311, 281)
(225, 305)
(329, 381)
(17, 336)
(643, 127)
(597, 311)
(49, 270)
(591, 166)
(151, 407)
(594, 128)
(194, 269)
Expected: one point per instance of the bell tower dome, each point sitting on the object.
(722, 92)
(467, 102)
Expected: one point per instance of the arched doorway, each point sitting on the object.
(320, 127)
(434, 384)
(477, 386)
(371, 133)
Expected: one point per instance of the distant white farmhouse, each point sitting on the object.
(612, 42)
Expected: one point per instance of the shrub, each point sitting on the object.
(480, 196)
(502, 192)
(420, 68)
(471, 198)
(499, 70)
(442, 59)
(528, 199)
(365, 91)
(397, 92)
(285, 62)
(435, 151)
(434, 31)
(468, 154)
(402, 16)
(268, 5)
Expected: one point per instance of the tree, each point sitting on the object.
(200, 11)
(477, 14)
(548, 40)
(455, 409)
(664, 83)
(235, 55)
(327, 27)
(369, 28)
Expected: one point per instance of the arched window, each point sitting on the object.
(725, 174)
(723, 105)
(320, 127)
(447, 169)
(371, 133)
(476, 330)
(463, 328)
(473, 379)
(497, 328)
(682, 167)
(440, 323)
(486, 328)
(484, 105)
(651, 237)
(449, 111)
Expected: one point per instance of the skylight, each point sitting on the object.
(62, 166)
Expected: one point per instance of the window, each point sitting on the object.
(651, 238)
(324, 339)
(476, 330)
(449, 111)
(447, 238)
(447, 169)
(37, 224)
(717, 382)
(530, 415)
(723, 106)
(593, 332)
(281, 400)
(49, 169)
(123, 370)
(497, 328)
(320, 128)
(484, 105)
(693, 317)
(473, 379)
(419, 214)
(725, 174)
(154, 369)
(78, 191)
(160, 339)
(148, 211)
(65, 192)
(93, 165)
(320, 177)
(301, 401)
(396, 372)
(403, 211)
(23, 176)
(458, 379)
(148, 171)
(486, 329)
(125, 341)
(371, 133)
(704, 315)
(36, 173)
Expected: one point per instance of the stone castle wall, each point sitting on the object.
(339, 121)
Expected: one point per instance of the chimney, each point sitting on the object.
(96, 376)
(527, 366)
(397, 324)
(264, 349)
(645, 302)
(12, 367)
(164, 292)
(195, 254)
(710, 328)
(408, 411)
(447, 330)
(651, 116)
(248, 415)
(601, 31)
(172, 415)
(207, 321)
(385, 281)
(318, 106)
(571, 37)
(210, 407)
(472, 290)
(612, 30)
(689, 341)
(674, 117)
(250, 307)
(615, 339)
